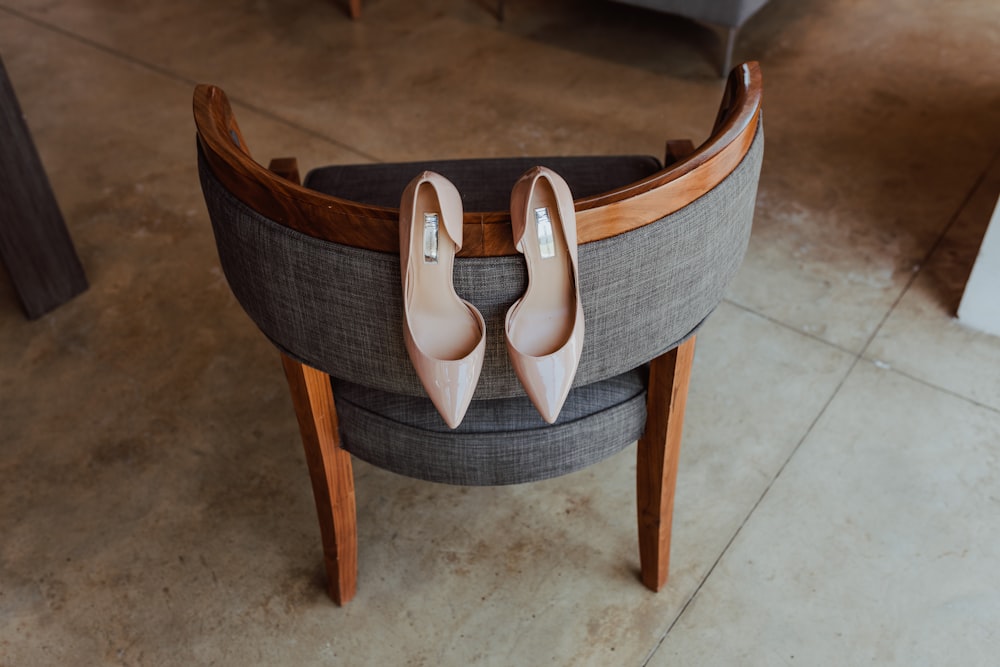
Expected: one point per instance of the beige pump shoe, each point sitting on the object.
(445, 335)
(544, 328)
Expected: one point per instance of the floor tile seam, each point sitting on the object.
(930, 385)
(757, 503)
(176, 76)
(858, 357)
(792, 328)
(938, 242)
(777, 476)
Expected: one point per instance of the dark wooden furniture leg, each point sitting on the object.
(34, 244)
(355, 8)
(657, 458)
(331, 474)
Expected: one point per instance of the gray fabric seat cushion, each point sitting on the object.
(500, 441)
(484, 184)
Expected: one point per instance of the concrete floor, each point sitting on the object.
(839, 492)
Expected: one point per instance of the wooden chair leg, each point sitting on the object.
(658, 454)
(331, 475)
(355, 9)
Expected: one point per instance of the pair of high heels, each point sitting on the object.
(445, 335)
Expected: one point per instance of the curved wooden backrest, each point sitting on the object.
(486, 234)
(320, 276)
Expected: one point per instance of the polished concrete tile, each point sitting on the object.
(922, 336)
(107, 128)
(422, 82)
(872, 147)
(873, 547)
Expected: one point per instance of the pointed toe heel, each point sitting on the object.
(544, 328)
(444, 334)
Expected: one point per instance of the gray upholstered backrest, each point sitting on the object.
(338, 308)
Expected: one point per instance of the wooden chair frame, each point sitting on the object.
(275, 193)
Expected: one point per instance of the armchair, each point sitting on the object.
(316, 268)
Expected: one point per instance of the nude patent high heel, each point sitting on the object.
(445, 335)
(544, 328)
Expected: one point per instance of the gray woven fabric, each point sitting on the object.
(730, 13)
(339, 308)
(496, 415)
(484, 184)
(501, 441)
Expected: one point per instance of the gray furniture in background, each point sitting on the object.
(316, 267)
(729, 15)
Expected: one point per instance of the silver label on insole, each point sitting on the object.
(430, 238)
(543, 228)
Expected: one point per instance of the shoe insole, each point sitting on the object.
(546, 315)
(441, 324)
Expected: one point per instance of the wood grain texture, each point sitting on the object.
(486, 233)
(657, 457)
(331, 473)
(35, 245)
